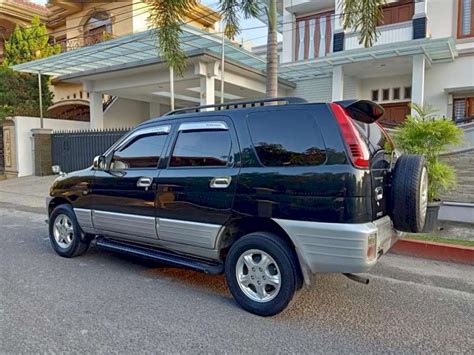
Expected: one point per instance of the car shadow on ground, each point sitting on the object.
(308, 303)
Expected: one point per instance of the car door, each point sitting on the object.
(124, 193)
(196, 190)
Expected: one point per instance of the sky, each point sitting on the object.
(256, 36)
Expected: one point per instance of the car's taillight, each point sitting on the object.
(358, 150)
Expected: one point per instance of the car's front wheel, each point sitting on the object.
(262, 273)
(65, 233)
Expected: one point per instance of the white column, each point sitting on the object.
(337, 83)
(207, 90)
(421, 9)
(418, 80)
(96, 110)
(289, 28)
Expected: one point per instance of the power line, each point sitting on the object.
(97, 50)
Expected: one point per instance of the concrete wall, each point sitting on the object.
(351, 87)
(463, 162)
(458, 205)
(124, 113)
(459, 73)
(442, 18)
(23, 139)
(314, 90)
(388, 82)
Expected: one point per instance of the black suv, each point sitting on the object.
(268, 192)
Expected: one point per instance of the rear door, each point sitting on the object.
(380, 148)
(196, 191)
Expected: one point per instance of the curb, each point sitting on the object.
(435, 251)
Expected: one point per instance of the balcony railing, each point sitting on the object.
(397, 32)
(86, 40)
(314, 36)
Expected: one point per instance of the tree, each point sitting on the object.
(29, 43)
(19, 94)
(167, 17)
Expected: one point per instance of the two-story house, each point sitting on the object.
(424, 54)
(18, 12)
(78, 24)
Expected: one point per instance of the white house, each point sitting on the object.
(424, 54)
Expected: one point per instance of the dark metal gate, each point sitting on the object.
(75, 150)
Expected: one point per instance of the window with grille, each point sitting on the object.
(463, 109)
(466, 18)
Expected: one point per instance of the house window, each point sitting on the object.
(407, 92)
(466, 18)
(386, 94)
(314, 36)
(375, 95)
(98, 28)
(396, 94)
(463, 109)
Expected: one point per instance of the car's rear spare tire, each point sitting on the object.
(409, 193)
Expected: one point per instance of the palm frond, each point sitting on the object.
(167, 18)
(363, 16)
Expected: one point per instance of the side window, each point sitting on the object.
(201, 148)
(142, 152)
(287, 138)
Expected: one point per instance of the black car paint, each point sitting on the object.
(335, 191)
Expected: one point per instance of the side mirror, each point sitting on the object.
(99, 162)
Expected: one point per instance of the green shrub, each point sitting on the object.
(426, 134)
(19, 94)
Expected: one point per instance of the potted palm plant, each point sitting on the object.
(425, 133)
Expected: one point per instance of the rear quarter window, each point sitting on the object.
(374, 136)
(286, 138)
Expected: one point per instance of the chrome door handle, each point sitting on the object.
(145, 182)
(220, 182)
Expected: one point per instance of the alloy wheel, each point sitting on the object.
(258, 275)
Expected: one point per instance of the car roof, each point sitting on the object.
(174, 116)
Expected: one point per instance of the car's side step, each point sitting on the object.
(159, 255)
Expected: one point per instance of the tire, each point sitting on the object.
(409, 193)
(280, 262)
(66, 238)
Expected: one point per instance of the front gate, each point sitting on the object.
(76, 150)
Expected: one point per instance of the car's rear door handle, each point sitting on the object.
(220, 182)
(145, 182)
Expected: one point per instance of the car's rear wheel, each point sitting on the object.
(409, 193)
(262, 273)
(65, 233)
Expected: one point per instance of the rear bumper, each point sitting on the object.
(338, 247)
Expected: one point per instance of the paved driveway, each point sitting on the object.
(28, 192)
(104, 303)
